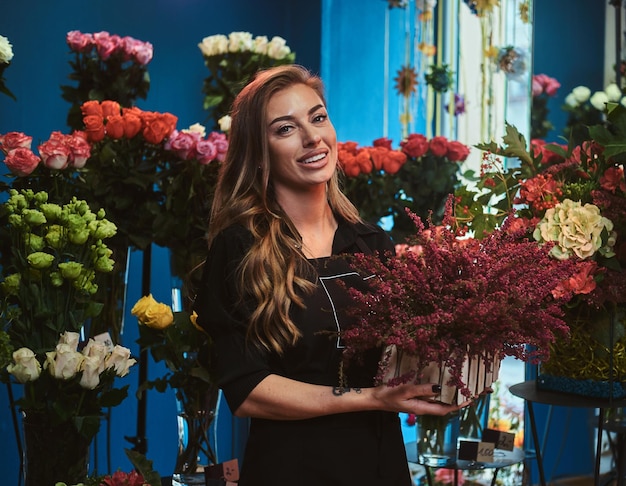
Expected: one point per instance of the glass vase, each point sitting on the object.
(437, 439)
(196, 410)
(53, 452)
(473, 419)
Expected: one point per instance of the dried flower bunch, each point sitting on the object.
(446, 296)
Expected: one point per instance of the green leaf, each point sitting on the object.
(144, 466)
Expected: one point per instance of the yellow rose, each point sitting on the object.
(153, 314)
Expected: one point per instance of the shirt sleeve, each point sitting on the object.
(239, 366)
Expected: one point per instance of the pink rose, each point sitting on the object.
(182, 144)
(438, 146)
(13, 140)
(54, 153)
(457, 151)
(80, 149)
(140, 52)
(206, 151)
(415, 146)
(78, 41)
(22, 161)
(106, 44)
(221, 142)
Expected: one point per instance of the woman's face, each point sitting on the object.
(302, 140)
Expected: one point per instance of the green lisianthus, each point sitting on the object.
(33, 242)
(52, 212)
(70, 270)
(102, 228)
(33, 217)
(56, 279)
(40, 260)
(11, 284)
(54, 236)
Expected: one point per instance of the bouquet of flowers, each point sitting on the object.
(383, 182)
(231, 61)
(448, 299)
(49, 288)
(543, 88)
(573, 200)
(106, 67)
(187, 179)
(585, 109)
(6, 54)
(175, 339)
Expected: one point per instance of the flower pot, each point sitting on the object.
(476, 374)
(592, 361)
(53, 452)
(437, 439)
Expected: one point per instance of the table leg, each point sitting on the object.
(495, 476)
(596, 473)
(429, 476)
(533, 427)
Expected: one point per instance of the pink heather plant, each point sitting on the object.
(444, 296)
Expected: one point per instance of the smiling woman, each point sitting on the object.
(273, 298)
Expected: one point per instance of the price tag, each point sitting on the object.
(476, 451)
(105, 338)
(502, 440)
(224, 473)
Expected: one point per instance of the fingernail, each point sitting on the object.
(436, 388)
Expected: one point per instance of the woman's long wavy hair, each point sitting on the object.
(275, 272)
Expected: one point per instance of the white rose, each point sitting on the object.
(91, 372)
(240, 41)
(623, 101)
(98, 350)
(214, 45)
(196, 128)
(599, 100)
(120, 360)
(613, 92)
(570, 100)
(70, 338)
(277, 48)
(224, 123)
(260, 44)
(26, 367)
(6, 50)
(63, 363)
(581, 94)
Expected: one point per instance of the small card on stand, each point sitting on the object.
(222, 474)
(476, 451)
(502, 440)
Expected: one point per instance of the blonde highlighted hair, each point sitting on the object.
(275, 272)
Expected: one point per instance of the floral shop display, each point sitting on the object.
(383, 182)
(105, 67)
(175, 339)
(572, 200)
(232, 60)
(49, 287)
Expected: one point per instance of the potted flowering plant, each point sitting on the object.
(49, 286)
(449, 299)
(106, 67)
(175, 339)
(384, 182)
(232, 60)
(6, 54)
(572, 199)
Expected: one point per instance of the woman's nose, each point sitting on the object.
(311, 138)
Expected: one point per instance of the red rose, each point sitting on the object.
(438, 146)
(457, 151)
(383, 142)
(415, 146)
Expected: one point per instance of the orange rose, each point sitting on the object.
(156, 130)
(94, 127)
(91, 108)
(110, 108)
(394, 161)
(115, 126)
(132, 124)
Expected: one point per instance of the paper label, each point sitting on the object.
(503, 440)
(476, 451)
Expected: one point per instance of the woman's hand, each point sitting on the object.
(416, 399)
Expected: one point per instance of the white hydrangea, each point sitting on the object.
(6, 50)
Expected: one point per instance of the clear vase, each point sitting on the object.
(53, 452)
(196, 410)
(473, 419)
(437, 439)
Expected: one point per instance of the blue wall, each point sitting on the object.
(37, 29)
